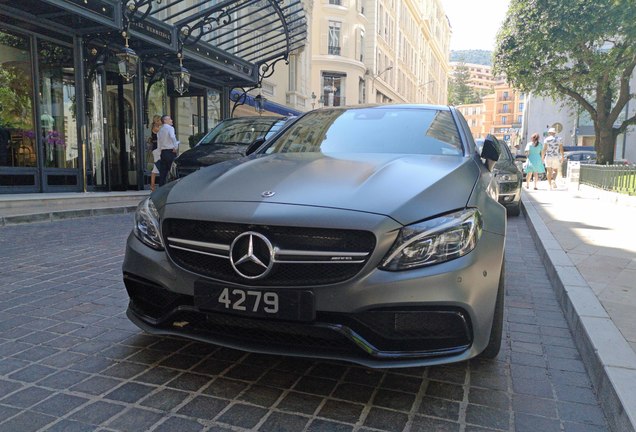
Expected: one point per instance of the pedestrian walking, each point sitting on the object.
(168, 144)
(553, 156)
(534, 154)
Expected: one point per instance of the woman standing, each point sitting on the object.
(534, 152)
(156, 154)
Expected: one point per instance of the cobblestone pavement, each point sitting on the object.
(71, 361)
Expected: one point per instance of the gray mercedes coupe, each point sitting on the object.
(369, 234)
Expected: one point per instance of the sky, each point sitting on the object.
(475, 22)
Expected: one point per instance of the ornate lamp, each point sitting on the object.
(127, 60)
(181, 77)
(313, 100)
(259, 103)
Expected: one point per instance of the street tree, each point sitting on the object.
(584, 50)
(459, 90)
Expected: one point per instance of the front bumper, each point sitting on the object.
(433, 315)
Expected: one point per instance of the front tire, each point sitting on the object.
(496, 331)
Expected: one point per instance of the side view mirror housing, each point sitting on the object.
(490, 152)
(254, 146)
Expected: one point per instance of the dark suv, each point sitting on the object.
(227, 140)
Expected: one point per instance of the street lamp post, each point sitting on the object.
(373, 78)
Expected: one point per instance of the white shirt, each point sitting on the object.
(166, 138)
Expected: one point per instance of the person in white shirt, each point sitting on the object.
(168, 144)
(553, 154)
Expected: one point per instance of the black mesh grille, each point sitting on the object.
(290, 238)
(433, 331)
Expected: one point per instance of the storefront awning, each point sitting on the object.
(225, 43)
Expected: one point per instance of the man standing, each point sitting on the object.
(553, 156)
(168, 144)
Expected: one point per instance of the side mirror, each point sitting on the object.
(254, 146)
(490, 153)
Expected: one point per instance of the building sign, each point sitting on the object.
(152, 30)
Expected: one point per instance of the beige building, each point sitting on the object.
(499, 113)
(379, 51)
(475, 115)
(363, 51)
(481, 77)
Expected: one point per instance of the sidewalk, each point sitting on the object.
(26, 208)
(587, 239)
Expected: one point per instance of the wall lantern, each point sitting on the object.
(127, 60)
(181, 77)
(259, 103)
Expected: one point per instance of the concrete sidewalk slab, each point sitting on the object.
(27, 208)
(588, 243)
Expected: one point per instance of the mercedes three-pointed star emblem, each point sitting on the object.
(252, 255)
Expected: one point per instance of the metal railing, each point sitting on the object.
(615, 178)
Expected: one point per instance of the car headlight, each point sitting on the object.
(434, 241)
(147, 224)
(506, 177)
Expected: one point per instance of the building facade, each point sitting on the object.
(379, 51)
(81, 79)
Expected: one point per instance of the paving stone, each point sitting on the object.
(353, 392)
(319, 425)
(27, 421)
(135, 419)
(487, 417)
(70, 426)
(26, 397)
(261, 395)
(442, 408)
(59, 404)
(173, 424)
(445, 390)
(189, 382)
(245, 416)
(531, 423)
(394, 400)
(225, 388)
(282, 422)
(165, 400)
(300, 402)
(203, 407)
(491, 398)
(32, 373)
(384, 419)
(428, 424)
(96, 385)
(318, 386)
(130, 392)
(344, 412)
(97, 413)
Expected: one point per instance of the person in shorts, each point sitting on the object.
(552, 156)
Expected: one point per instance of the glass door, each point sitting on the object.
(121, 133)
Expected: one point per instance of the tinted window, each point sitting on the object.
(372, 130)
(238, 131)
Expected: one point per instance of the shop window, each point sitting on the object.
(333, 89)
(18, 146)
(58, 122)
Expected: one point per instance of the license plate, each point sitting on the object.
(286, 304)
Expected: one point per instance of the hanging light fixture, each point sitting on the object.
(181, 77)
(127, 60)
(259, 103)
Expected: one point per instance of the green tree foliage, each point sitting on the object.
(481, 57)
(459, 90)
(582, 49)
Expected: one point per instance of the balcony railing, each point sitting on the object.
(615, 178)
(333, 50)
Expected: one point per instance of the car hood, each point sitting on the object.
(407, 188)
(203, 155)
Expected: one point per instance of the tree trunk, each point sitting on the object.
(605, 145)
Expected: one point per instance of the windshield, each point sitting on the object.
(372, 130)
(243, 131)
